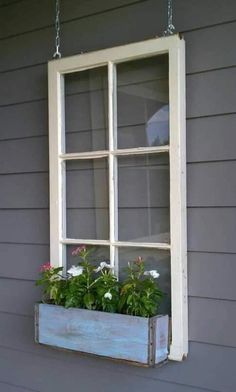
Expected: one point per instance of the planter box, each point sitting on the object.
(137, 339)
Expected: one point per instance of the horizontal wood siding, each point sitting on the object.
(26, 44)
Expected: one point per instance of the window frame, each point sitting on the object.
(175, 47)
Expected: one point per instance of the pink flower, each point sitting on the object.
(45, 267)
(139, 260)
(77, 251)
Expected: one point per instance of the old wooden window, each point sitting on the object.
(117, 162)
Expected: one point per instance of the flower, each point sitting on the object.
(153, 273)
(108, 295)
(139, 260)
(103, 264)
(45, 267)
(75, 271)
(77, 251)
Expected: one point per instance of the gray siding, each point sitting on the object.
(26, 44)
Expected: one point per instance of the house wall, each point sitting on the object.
(26, 44)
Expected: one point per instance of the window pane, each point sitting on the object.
(154, 259)
(143, 198)
(143, 102)
(86, 110)
(87, 199)
(97, 255)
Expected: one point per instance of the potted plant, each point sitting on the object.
(88, 310)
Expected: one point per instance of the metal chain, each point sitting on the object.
(57, 54)
(170, 27)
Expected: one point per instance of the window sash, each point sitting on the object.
(175, 47)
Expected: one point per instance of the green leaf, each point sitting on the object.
(89, 300)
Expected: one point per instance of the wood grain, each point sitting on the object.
(111, 335)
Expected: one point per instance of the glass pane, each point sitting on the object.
(97, 255)
(154, 259)
(143, 102)
(143, 198)
(87, 199)
(86, 110)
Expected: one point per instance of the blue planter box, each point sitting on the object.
(137, 339)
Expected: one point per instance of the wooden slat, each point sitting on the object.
(212, 321)
(212, 184)
(23, 85)
(24, 155)
(150, 10)
(31, 190)
(28, 84)
(210, 48)
(202, 98)
(198, 105)
(111, 335)
(211, 138)
(208, 366)
(117, 21)
(14, 388)
(212, 275)
(24, 226)
(204, 360)
(24, 120)
(212, 229)
(30, 258)
(204, 135)
(93, 374)
(41, 14)
(193, 15)
(18, 296)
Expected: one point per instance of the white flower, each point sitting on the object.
(75, 271)
(153, 273)
(103, 264)
(108, 295)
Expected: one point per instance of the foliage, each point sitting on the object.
(81, 290)
(92, 288)
(54, 286)
(140, 295)
(107, 289)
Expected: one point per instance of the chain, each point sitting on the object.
(57, 53)
(170, 27)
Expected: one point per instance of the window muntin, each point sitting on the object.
(172, 126)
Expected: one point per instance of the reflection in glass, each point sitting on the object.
(86, 110)
(143, 198)
(154, 259)
(87, 199)
(143, 102)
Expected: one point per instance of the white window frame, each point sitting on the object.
(175, 47)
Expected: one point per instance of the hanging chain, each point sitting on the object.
(170, 27)
(57, 53)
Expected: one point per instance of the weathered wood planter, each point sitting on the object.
(118, 336)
